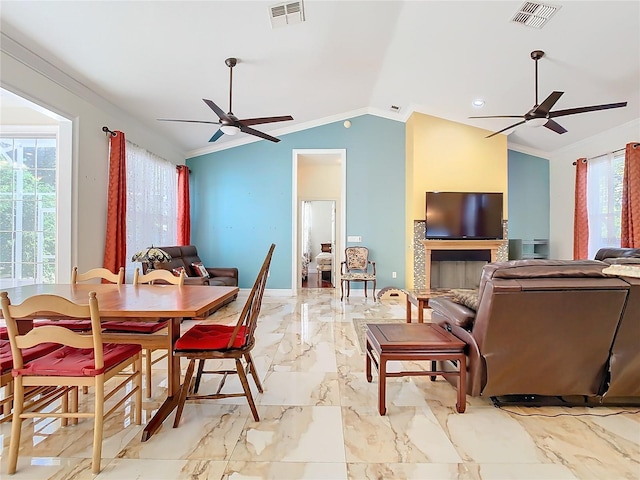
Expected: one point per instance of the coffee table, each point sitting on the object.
(414, 342)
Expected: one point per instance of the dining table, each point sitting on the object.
(142, 303)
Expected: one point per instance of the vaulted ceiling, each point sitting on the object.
(159, 59)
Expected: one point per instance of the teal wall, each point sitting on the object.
(241, 198)
(529, 200)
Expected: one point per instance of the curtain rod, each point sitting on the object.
(635, 145)
(109, 132)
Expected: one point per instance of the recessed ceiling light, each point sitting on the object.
(478, 103)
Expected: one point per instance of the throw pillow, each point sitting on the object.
(466, 297)
(200, 269)
(178, 270)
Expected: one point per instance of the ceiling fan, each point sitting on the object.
(229, 123)
(541, 114)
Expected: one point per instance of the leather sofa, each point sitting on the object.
(185, 256)
(618, 255)
(556, 331)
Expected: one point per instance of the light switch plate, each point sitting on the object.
(354, 238)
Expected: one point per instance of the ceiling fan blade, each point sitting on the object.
(505, 129)
(556, 127)
(257, 121)
(186, 121)
(217, 109)
(548, 103)
(216, 136)
(500, 116)
(592, 108)
(251, 131)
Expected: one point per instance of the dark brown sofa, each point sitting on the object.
(550, 328)
(185, 256)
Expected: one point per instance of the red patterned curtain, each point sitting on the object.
(115, 248)
(630, 231)
(184, 218)
(580, 217)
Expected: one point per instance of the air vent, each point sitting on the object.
(534, 15)
(284, 14)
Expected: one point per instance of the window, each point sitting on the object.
(28, 216)
(151, 202)
(604, 201)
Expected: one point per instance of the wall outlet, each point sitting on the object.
(393, 275)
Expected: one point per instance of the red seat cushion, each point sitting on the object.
(134, 327)
(77, 362)
(210, 337)
(71, 324)
(28, 354)
(4, 333)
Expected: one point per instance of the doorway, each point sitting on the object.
(318, 229)
(35, 166)
(318, 179)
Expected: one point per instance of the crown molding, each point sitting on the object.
(528, 150)
(45, 68)
(297, 128)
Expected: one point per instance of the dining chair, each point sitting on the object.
(98, 274)
(355, 268)
(33, 396)
(82, 360)
(93, 274)
(213, 341)
(151, 335)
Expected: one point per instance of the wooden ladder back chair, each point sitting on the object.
(83, 360)
(98, 273)
(151, 336)
(35, 397)
(213, 341)
(159, 275)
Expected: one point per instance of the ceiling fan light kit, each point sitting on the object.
(536, 122)
(541, 114)
(229, 129)
(228, 122)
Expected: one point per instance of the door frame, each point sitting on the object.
(295, 211)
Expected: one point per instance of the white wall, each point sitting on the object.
(29, 76)
(562, 182)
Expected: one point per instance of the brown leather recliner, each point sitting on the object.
(548, 328)
(617, 253)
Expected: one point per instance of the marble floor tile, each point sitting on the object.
(306, 434)
(320, 420)
(285, 470)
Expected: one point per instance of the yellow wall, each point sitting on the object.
(449, 156)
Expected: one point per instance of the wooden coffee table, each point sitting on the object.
(414, 342)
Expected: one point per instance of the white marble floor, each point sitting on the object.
(319, 420)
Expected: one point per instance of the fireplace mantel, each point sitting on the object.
(430, 245)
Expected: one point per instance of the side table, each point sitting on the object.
(414, 342)
(418, 297)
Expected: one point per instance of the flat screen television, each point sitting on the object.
(464, 215)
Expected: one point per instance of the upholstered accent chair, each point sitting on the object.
(357, 268)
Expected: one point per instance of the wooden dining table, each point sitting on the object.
(141, 303)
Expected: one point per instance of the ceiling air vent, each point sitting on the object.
(536, 15)
(288, 13)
